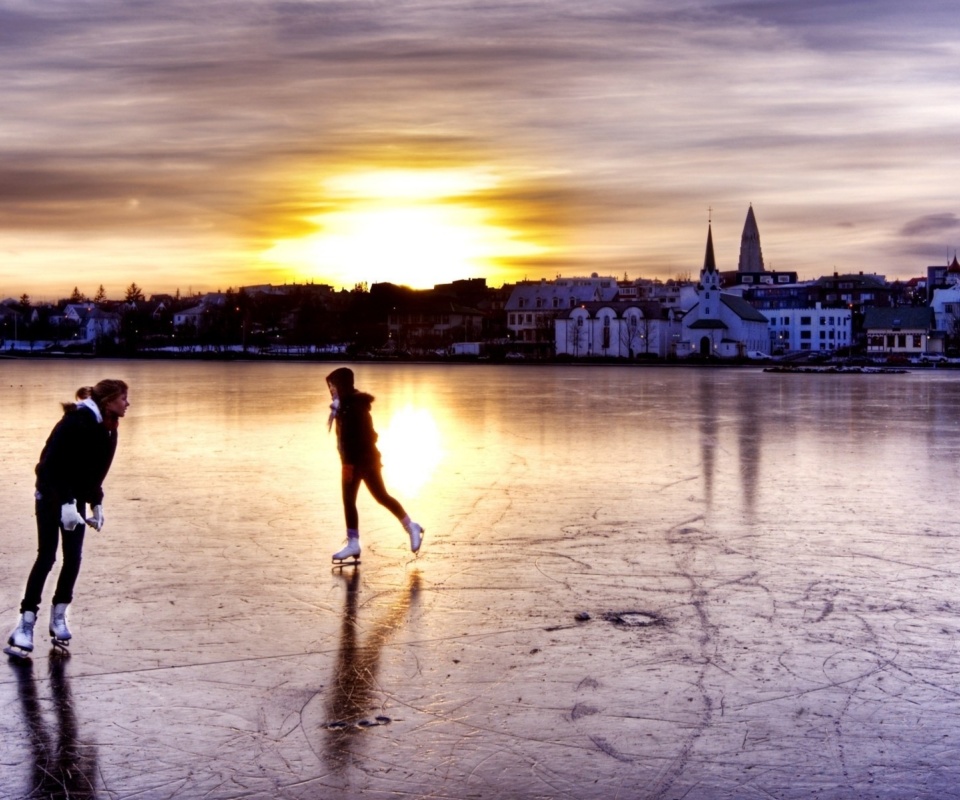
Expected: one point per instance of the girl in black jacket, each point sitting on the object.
(70, 473)
(360, 460)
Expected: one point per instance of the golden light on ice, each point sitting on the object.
(412, 450)
(412, 227)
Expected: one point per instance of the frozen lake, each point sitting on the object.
(769, 563)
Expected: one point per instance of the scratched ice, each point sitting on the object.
(764, 568)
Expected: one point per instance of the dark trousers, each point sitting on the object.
(370, 475)
(48, 539)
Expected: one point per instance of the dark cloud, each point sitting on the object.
(932, 225)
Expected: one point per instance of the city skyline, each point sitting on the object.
(240, 143)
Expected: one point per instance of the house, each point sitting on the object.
(533, 306)
(190, 317)
(90, 321)
(617, 329)
(907, 331)
(98, 324)
(945, 301)
(428, 320)
(721, 324)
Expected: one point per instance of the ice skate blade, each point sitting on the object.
(350, 561)
(17, 653)
(60, 646)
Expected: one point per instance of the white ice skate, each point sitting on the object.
(59, 631)
(352, 550)
(20, 643)
(416, 536)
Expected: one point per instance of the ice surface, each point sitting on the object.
(764, 567)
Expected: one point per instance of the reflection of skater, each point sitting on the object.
(355, 681)
(63, 766)
(360, 459)
(73, 464)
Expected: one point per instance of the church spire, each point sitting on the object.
(751, 256)
(709, 262)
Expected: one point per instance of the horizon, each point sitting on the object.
(197, 147)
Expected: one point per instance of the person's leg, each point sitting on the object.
(373, 478)
(72, 549)
(350, 485)
(48, 538)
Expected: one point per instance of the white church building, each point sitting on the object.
(721, 324)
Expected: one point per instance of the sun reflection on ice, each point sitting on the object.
(412, 450)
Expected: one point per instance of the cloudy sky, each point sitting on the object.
(205, 145)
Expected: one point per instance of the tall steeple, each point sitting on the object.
(709, 277)
(751, 256)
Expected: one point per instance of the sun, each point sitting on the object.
(412, 227)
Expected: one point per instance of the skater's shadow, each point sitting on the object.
(62, 765)
(351, 707)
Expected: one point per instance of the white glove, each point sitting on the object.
(69, 517)
(95, 521)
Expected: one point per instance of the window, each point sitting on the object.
(806, 320)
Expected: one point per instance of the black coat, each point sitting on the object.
(356, 438)
(76, 459)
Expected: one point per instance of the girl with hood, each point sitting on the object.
(360, 460)
(70, 473)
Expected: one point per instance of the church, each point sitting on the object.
(720, 324)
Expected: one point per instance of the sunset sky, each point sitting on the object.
(206, 145)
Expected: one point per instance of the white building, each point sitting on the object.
(946, 301)
(617, 329)
(533, 306)
(819, 329)
(721, 324)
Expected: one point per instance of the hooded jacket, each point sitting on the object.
(76, 458)
(356, 437)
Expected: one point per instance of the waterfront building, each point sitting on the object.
(809, 329)
(534, 305)
(906, 331)
(617, 329)
(721, 324)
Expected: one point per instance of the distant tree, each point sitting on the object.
(134, 294)
(101, 295)
(360, 288)
(76, 296)
(24, 302)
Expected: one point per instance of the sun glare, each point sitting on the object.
(411, 448)
(417, 228)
